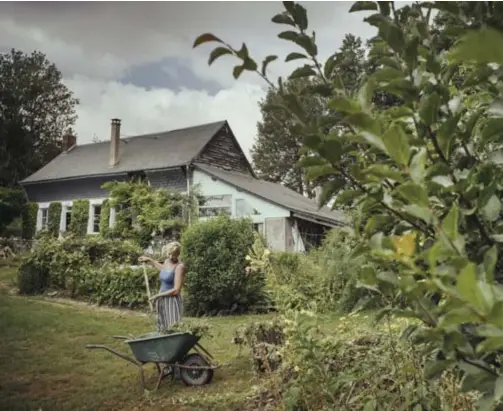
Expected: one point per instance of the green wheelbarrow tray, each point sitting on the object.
(169, 352)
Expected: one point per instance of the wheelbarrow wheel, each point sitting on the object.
(195, 377)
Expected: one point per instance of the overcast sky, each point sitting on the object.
(135, 60)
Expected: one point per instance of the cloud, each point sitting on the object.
(145, 111)
(99, 46)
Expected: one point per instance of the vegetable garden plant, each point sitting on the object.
(426, 174)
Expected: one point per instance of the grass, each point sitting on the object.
(46, 366)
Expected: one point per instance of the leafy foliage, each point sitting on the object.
(54, 217)
(37, 108)
(94, 268)
(32, 278)
(11, 205)
(105, 218)
(194, 326)
(425, 174)
(29, 220)
(143, 212)
(214, 252)
(80, 217)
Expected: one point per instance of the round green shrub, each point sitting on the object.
(29, 220)
(32, 278)
(215, 254)
(54, 214)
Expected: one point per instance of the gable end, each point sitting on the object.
(223, 151)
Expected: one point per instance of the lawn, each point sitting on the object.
(45, 364)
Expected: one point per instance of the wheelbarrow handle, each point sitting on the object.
(115, 352)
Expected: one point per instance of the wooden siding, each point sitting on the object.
(170, 179)
(223, 152)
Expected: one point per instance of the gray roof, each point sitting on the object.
(277, 194)
(145, 152)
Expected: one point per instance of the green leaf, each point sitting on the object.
(482, 46)
(309, 161)
(490, 260)
(384, 171)
(397, 144)
(387, 74)
(393, 35)
(236, 72)
(451, 222)
(422, 213)
(266, 62)
(435, 369)
(446, 134)
(343, 105)
(205, 38)
(417, 166)
(330, 189)
(429, 107)
(413, 193)
(348, 196)
(249, 64)
(466, 284)
(492, 129)
(331, 149)
(363, 5)
(300, 39)
(368, 276)
(299, 14)
(218, 52)
(304, 71)
(492, 209)
(384, 7)
(329, 66)
(295, 56)
(283, 18)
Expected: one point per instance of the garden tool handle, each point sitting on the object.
(147, 286)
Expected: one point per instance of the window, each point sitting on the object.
(215, 205)
(244, 208)
(45, 218)
(68, 217)
(96, 218)
(259, 228)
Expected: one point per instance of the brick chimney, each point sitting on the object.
(69, 140)
(114, 142)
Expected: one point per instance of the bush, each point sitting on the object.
(115, 285)
(80, 217)
(54, 217)
(69, 259)
(32, 278)
(29, 223)
(215, 253)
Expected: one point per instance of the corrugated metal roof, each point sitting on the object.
(144, 152)
(275, 193)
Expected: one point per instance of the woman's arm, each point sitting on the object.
(179, 277)
(151, 261)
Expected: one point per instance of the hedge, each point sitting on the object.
(54, 217)
(91, 268)
(80, 218)
(215, 253)
(29, 220)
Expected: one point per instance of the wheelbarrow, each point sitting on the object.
(171, 354)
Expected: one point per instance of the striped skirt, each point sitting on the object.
(169, 311)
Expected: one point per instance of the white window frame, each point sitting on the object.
(44, 218)
(206, 206)
(90, 221)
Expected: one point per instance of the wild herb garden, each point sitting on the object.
(402, 309)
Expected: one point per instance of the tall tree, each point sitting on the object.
(276, 151)
(36, 109)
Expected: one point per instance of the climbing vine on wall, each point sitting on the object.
(105, 218)
(29, 220)
(54, 218)
(142, 212)
(80, 217)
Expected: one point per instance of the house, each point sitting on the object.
(207, 155)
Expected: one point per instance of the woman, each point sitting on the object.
(168, 301)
